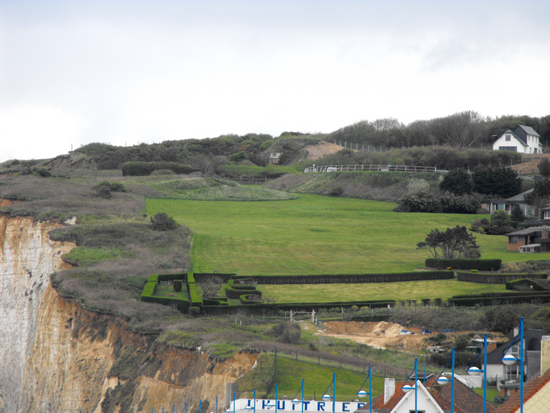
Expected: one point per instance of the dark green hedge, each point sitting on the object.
(275, 308)
(171, 277)
(348, 278)
(148, 296)
(146, 168)
(460, 264)
(499, 298)
(493, 278)
(527, 284)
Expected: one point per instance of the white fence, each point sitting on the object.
(379, 168)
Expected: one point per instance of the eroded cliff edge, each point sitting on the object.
(56, 356)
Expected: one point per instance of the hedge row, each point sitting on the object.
(275, 308)
(460, 264)
(528, 283)
(207, 276)
(501, 298)
(149, 290)
(196, 301)
(492, 278)
(348, 278)
(171, 277)
(146, 168)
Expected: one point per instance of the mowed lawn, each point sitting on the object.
(289, 375)
(399, 291)
(314, 235)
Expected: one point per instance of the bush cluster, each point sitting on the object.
(447, 203)
(147, 168)
(163, 222)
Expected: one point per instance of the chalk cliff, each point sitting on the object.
(56, 356)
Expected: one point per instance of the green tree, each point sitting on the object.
(517, 214)
(461, 342)
(500, 223)
(540, 195)
(451, 242)
(544, 167)
(499, 181)
(457, 181)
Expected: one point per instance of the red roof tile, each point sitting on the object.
(529, 389)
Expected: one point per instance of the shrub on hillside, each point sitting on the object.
(457, 181)
(287, 332)
(517, 213)
(163, 222)
(447, 203)
(336, 191)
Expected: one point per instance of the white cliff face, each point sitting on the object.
(57, 357)
(27, 259)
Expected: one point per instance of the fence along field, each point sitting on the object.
(314, 235)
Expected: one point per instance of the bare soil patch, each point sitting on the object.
(384, 335)
(322, 149)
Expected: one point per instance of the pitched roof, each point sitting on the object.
(511, 132)
(465, 398)
(529, 390)
(527, 130)
(528, 231)
(531, 338)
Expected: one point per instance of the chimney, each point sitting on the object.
(544, 354)
(389, 387)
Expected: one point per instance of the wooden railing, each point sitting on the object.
(379, 168)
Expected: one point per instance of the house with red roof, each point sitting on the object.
(430, 398)
(536, 393)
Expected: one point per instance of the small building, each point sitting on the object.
(507, 204)
(497, 370)
(534, 239)
(431, 398)
(274, 158)
(536, 392)
(523, 139)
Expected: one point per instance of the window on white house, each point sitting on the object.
(508, 137)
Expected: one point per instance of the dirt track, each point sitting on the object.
(382, 334)
(322, 149)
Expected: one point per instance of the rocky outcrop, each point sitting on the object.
(56, 356)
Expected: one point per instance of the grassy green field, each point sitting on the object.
(289, 374)
(412, 290)
(314, 235)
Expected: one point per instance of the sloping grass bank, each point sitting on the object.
(314, 235)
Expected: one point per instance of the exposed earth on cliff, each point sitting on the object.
(386, 335)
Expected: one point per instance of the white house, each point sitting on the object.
(523, 139)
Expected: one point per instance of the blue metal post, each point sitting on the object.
(485, 374)
(185, 407)
(234, 404)
(370, 393)
(254, 400)
(303, 395)
(216, 404)
(174, 408)
(521, 355)
(276, 400)
(453, 383)
(334, 392)
(200, 405)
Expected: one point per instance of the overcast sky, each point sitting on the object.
(123, 72)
